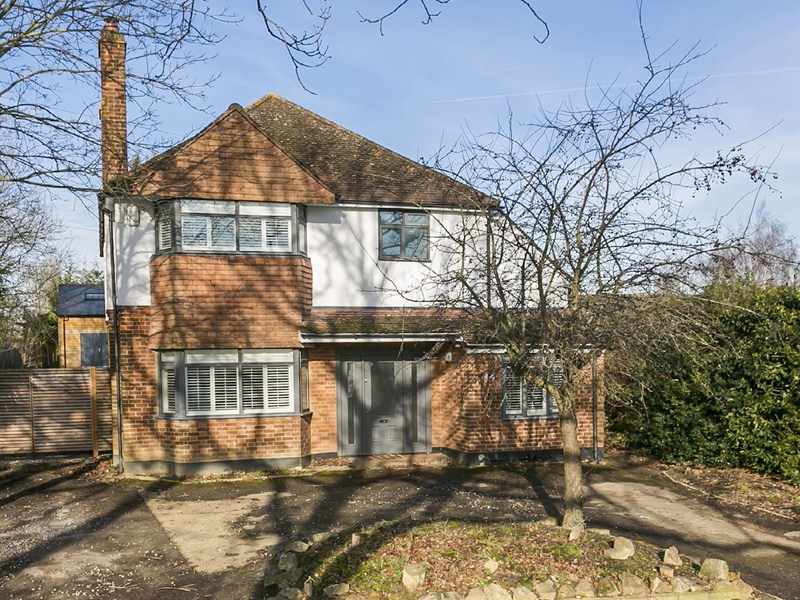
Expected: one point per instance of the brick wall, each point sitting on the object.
(465, 405)
(69, 337)
(149, 438)
(322, 385)
(466, 411)
(235, 301)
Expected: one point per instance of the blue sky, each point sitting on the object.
(418, 87)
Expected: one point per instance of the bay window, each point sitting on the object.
(228, 382)
(227, 226)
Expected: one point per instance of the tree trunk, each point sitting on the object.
(573, 473)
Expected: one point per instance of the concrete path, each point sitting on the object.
(767, 553)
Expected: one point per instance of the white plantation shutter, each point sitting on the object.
(250, 233)
(198, 389)
(168, 389)
(279, 387)
(194, 231)
(512, 392)
(165, 218)
(276, 234)
(226, 389)
(536, 400)
(252, 387)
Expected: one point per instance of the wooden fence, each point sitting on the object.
(55, 410)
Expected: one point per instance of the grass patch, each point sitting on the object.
(454, 554)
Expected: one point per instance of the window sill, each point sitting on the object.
(407, 260)
(228, 253)
(258, 415)
(529, 417)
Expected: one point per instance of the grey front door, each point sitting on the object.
(383, 408)
(383, 405)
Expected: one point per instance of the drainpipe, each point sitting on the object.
(112, 265)
(595, 449)
(114, 157)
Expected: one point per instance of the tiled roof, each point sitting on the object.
(351, 166)
(371, 321)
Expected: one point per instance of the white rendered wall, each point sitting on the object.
(343, 247)
(134, 245)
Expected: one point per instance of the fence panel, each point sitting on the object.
(16, 436)
(54, 408)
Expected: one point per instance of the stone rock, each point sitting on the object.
(659, 586)
(682, 584)
(287, 579)
(357, 539)
(666, 571)
(576, 532)
(290, 594)
(496, 592)
(623, 549)
(546, 590)
(298, 547)
(565, 590)
(606, 588)
(476, 594)
(672, 558)
(413, 577)
(336, 590)
(452, 596)
(584, 589)
(742, 590)
(491, 565)
(549, 521)
(318, 538)
(606, 532)
(713, 569)
(287, 561)
(633, 586)
(308, 587)
(523, 593)
(431, 596)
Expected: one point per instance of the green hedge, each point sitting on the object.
(733, 400)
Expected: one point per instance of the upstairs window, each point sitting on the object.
(523, 399)
(403, 235)
(225, 226)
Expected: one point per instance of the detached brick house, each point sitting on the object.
(253, 275)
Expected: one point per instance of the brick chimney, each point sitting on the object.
(113, 112)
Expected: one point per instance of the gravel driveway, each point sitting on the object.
(64, 535)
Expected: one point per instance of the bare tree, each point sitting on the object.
(766, 254)
(48, 55)
(589, 234)
(27, 240)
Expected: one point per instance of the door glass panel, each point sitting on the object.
(414, 405)
(383, 389)
(351, 402)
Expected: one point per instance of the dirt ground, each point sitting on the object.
(65, 533)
